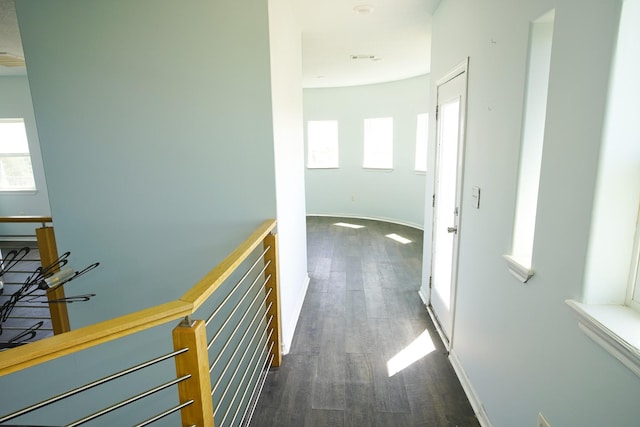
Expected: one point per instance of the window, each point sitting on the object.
(422, 135)
(322, 144)
(608, 310)
(16, 172)
(378, 143)
(535, 108)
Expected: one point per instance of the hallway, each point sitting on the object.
(365, 352)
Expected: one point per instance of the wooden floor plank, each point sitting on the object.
(361, 310)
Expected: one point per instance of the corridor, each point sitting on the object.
(365, 352)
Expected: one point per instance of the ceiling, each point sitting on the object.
(344, 42)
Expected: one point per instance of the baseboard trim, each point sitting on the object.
(292, 321)
(441, 334)
(423, 297)
(476, 404)
(372, 218)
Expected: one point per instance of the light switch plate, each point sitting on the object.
(475, 197)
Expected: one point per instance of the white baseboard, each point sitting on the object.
(423, 297)
(476, 404)
(373, 218)
(292, 319)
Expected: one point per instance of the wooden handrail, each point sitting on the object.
(202, 290)
(51, 348)
(25, 219)
(57, 346)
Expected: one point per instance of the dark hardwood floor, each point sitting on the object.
(361, 310)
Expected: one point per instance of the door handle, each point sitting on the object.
(452, 229)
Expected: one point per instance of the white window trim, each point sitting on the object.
(634, 272)
(422, 140)
(518, 270)
(616, 328)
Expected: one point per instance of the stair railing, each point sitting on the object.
(44, 238)
(218, 380)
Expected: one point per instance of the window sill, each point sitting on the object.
(377, 169)
(7, 192)
(616, 328)
(519, 271)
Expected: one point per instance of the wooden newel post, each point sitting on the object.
(48, 254)
(195, 362)
(271, 271)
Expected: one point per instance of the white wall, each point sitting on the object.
(519, 344)
(350, 190)
(286, 70)
(15, 102)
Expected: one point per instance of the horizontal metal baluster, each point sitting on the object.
(30, 317)
(128, 401)
(90, 385)
(236, 308)
(224, 301)
(246, 389)
(237, 366)
(164, 414)
(233, 398)
(226, 367)
(256, 396)
(233, 334)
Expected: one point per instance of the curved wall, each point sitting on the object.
(396, 195)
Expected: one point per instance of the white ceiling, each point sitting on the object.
(10, 37)
(396, 33)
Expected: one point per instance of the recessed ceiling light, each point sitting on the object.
(363, 9)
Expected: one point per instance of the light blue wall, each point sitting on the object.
(520, 344)
(156, 129)
(15, 102)
(156, 134)
(350, 190)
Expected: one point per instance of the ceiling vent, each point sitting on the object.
(362, 56)
(8, 60)
(363, 9)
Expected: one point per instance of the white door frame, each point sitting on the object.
(462, 68)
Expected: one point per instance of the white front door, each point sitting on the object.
(450, 120)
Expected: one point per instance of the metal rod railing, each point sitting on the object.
(164, 414)
(227, 365)
(236, 287)
(233, 334)
(242, 379)
(235, 309)
(255, 394)
(128, 401)
(256, 344)
(246, 389)
(91, 385)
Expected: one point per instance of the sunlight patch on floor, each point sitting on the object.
(398, 238)
(415, 351)
(346, 224)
